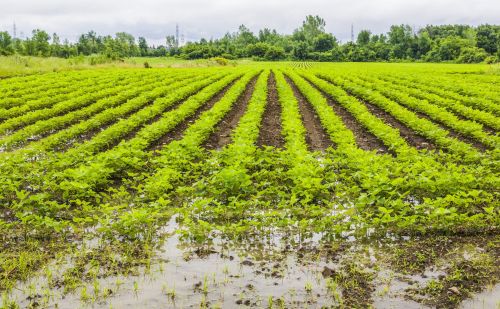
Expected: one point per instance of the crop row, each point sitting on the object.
(56, 87)
(27, 86)
(388, 135)
(130, 154)
(85, 97)
(47, 101)
(79, 171)
(107, 109)
(428, 84)
(483, 89)
(455, 106)
(421, 126)
(436, 113)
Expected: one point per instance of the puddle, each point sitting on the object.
(272, 272)
(488, 299)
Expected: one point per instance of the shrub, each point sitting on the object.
(491, 60)
(99, 59)
(472, 55)
(275, 53)
(220, 60)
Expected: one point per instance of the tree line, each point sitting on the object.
(309, 42)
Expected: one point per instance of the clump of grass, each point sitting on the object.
(355, 284)
(463, 278)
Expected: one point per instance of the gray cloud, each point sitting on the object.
(155, 19)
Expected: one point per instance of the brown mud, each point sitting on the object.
(270, 129)
(222, 134)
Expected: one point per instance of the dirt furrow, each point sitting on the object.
(364, 138)
(178, 131)
(408, 134)
(222, 134)
(316, 136)
(452, 133)
(270, 129)
(411, 137)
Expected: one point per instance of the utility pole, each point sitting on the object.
(177, 35)
(352, 33)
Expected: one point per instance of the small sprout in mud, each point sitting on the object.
(96, 288)
(47, 294)
(107, 292)
(333, 288)
(270, 302)
(281, 303)
(217, 306)
(136, 287)
(31, 289)
(225, 270)
(48, 275)
(8, 303)
(205, 285)
(384, 291)
(118, 283)
(203, 303)
(309, 287)
(434, 287)
(170, 292)
(84, 296)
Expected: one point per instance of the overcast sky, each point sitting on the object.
(154, 19)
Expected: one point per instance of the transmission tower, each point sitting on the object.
(177, 35)
(14, 30)
(352, 32)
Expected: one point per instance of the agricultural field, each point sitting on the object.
(285, 185)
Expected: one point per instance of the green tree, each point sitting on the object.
(245, 36)
(125, 44)
(258, 49)
(488, 37)
(401, 37)
(472, 55)
(300, 50)
(55, 47)
(6, 44)
(90, 43)
(324, 42)
(363, 37)
(269, 36)
(311, 28)
(143, 46)
(275, 53)
(39, 43)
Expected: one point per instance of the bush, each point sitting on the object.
(220, 60)
(99, 59)
(75, 60)
(147, 66)
(321, 56)
(275, 53)
(258, 49)
(491, 60)
(472, 55)
(228, 56)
